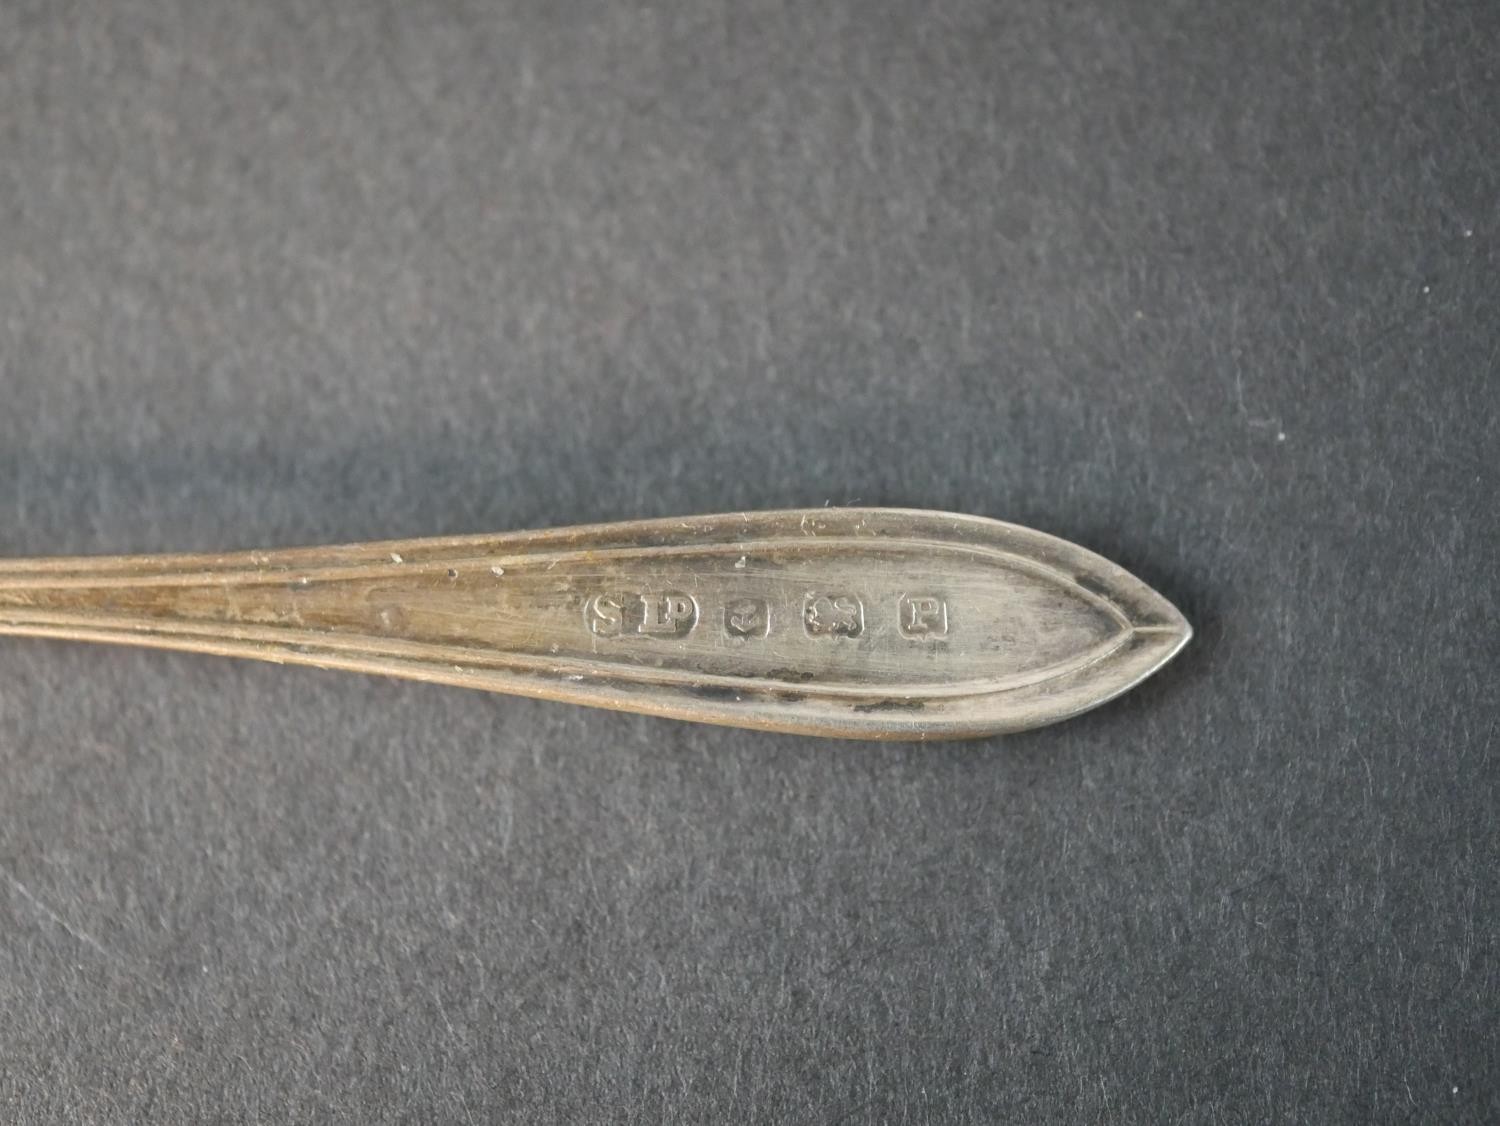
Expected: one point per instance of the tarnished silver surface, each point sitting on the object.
(855, 622)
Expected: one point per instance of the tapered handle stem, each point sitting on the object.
(879, 623)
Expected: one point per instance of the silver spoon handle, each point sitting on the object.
(854, 622)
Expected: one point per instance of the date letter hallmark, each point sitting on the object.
(833, 615)
(670, 614)
(922, 616)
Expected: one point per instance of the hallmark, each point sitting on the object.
(747, 617)
(833, 615)
(605, 615)
(669, 614)
(922, 616)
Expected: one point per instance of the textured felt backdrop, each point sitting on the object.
(1211, 289)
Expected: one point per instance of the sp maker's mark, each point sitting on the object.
(670, 614)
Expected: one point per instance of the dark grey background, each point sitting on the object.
(1209, 288)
